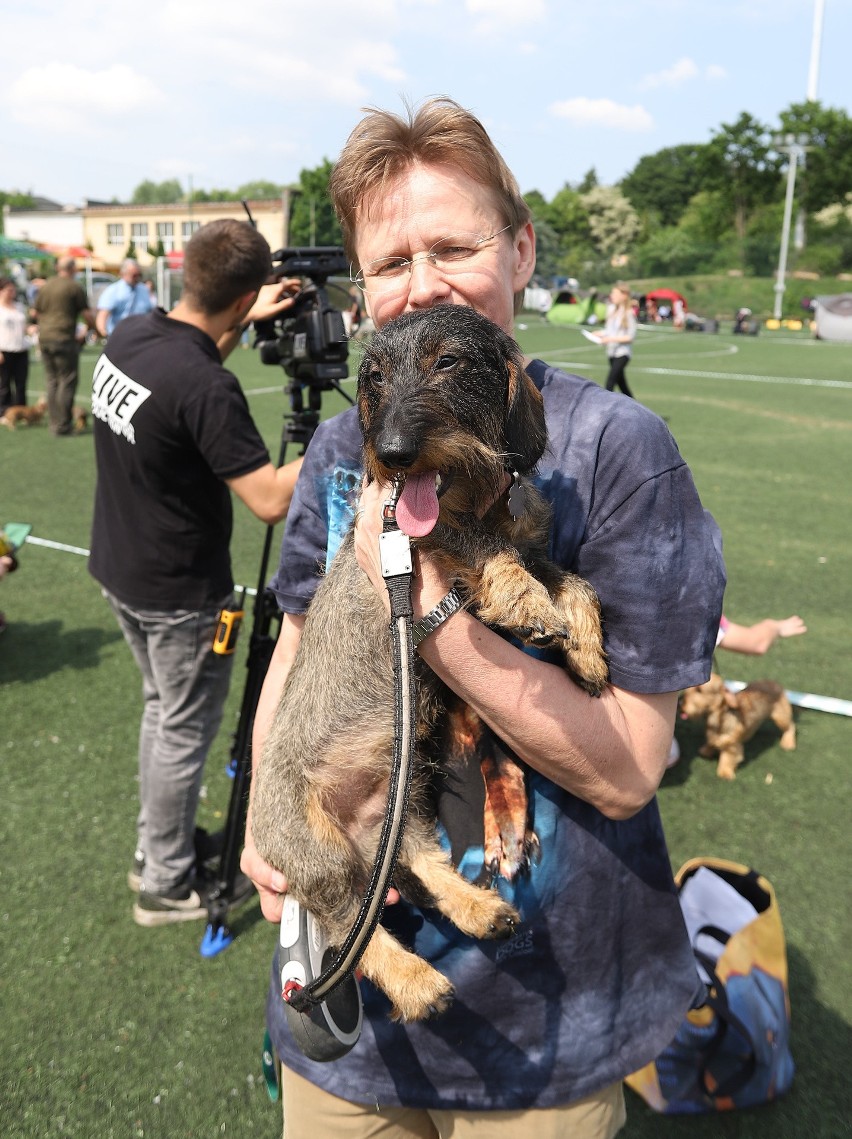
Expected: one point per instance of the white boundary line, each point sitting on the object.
(801, 699)
(806, 700)
(795, 381)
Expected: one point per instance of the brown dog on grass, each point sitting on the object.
(20, 413)
(443, 398)
(734, 717)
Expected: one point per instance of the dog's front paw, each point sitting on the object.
(426, 993)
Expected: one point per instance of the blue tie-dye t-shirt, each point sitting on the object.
(600, 973)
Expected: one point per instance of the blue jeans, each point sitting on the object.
(184, 687)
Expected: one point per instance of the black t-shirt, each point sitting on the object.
(171, 423)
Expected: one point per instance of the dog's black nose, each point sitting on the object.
(395, 450)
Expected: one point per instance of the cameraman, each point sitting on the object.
(173, 435)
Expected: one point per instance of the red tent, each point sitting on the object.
(667, 295)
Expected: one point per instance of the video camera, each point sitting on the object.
(309, 341)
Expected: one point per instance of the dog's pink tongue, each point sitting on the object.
(417, 509)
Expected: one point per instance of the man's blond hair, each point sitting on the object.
(384, 145)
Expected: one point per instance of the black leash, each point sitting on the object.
(396, 562)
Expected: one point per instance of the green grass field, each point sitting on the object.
(110, 1030)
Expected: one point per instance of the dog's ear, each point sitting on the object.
(526, 434)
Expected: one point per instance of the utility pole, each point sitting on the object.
(795, 147)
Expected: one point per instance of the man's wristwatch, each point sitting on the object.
(445, 608)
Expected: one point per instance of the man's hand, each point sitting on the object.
(270, 883)
(429, 584)
(272, 300)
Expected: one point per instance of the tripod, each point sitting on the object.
(301, 423)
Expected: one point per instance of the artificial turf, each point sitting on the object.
(109, 1030)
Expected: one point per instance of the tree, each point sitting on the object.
(130, 253)
(260, 189)
(661, 185)
(547, 245)
(149, 193)
(827, 173)
(613, 222)
(739, 162)
(588, 182)
(312, 218)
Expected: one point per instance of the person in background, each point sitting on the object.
(618, 334)
(7, 565)
(544, 1027)
(14, 347)
(173, 439)
(128, 296)
(59, 305)
(757, 639)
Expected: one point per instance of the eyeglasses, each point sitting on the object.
(454, 254)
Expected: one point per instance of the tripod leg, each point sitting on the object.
(217, 935)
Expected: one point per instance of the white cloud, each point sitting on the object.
(681, 72)
(673, 76)
(495, 16)
(603, 113)
(63, 97)
(508, 9)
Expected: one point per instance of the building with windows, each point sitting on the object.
(110, 229)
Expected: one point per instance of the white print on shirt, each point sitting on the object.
(520, 945)
(116, 398)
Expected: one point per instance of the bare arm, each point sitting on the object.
(271, 884)
(609, 751)
(758, 639)
(272, 301)
(268, 490)
(101, 321)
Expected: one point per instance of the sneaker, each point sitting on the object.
(208, 848)
(187, 902)
(134, 874)
(181, 903)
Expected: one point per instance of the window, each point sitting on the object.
(166, 234)
(188, 228)
(139, 235)
(115, 234)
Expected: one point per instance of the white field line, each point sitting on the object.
(801, 699)
(747, 377)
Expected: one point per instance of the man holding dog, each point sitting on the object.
(545, 1027)
(173, 438)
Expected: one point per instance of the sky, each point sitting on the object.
(97, 96)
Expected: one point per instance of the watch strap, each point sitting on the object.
(445, 608)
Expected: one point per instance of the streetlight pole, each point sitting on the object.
(795, 146)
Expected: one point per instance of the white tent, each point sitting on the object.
(834, 317)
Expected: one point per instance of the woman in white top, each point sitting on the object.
(14, 349)
(618, 336)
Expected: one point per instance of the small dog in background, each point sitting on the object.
(734, 717)
(19, 413)
(80, 418)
